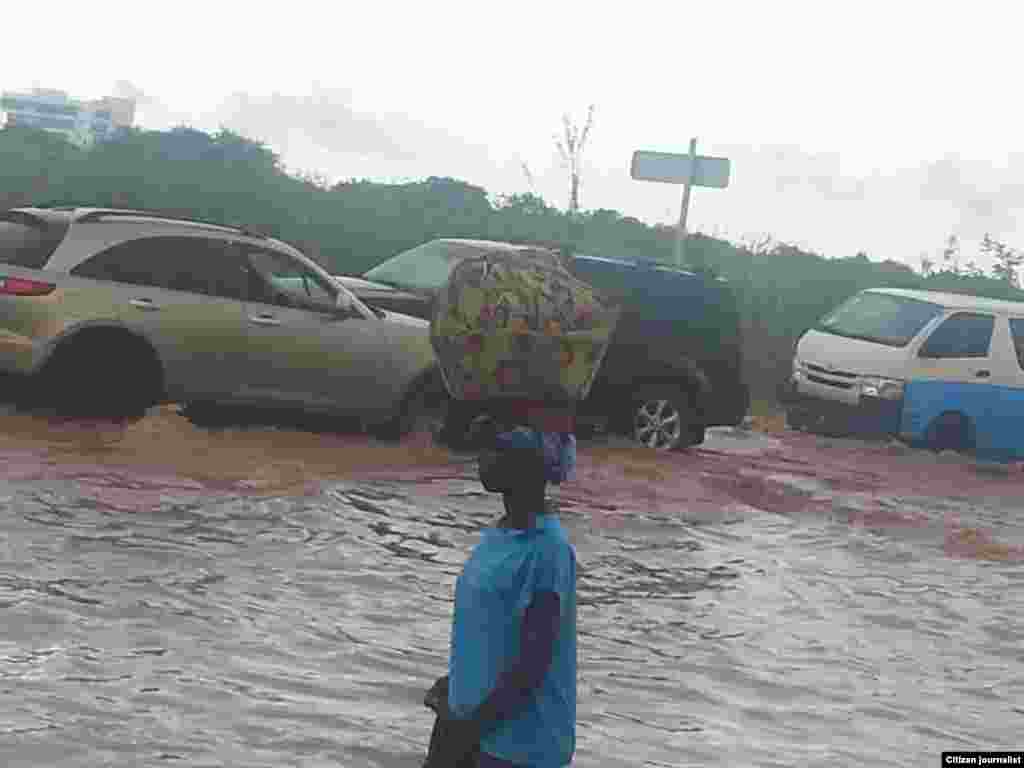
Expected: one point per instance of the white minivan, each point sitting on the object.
(939, 369)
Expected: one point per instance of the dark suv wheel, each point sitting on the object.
(667, 423)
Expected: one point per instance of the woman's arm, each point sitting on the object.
(455, 741)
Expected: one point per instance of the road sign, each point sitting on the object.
(671, 168)
(691, 170)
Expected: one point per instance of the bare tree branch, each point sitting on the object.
(587, 126)
(529, 175)
(570, 149)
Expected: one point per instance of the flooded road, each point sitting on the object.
(172, 596)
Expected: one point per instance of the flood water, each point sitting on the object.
(172, 596)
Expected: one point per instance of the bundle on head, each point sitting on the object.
(516, 325)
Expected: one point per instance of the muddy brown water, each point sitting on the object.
(275, 597)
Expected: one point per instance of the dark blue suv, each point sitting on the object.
(674, 365)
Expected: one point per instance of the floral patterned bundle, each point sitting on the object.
(519, 325)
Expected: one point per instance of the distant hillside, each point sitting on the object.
(354, 225)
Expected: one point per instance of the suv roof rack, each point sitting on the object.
(98, 213)
(25, 217)
(63, 205)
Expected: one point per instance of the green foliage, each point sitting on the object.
(353, 225)
(1007, 260)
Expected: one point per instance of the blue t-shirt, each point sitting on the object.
(507, 568)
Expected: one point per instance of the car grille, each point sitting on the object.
(828, 378)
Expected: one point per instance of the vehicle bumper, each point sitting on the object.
(868, 416)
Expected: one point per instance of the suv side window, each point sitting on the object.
(962, 335)
(276, 278)
(192, 264)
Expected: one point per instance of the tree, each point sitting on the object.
(927, 265)
(973, 270)
(1007, 260)
(951, 254)
(528, 174)
(354, 225)
(570, 148)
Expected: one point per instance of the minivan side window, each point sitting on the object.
(199, 265)
(1017, 334)
(962, 335)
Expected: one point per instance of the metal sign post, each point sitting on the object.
(689, 170)
(681, 229)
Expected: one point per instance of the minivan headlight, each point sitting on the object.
(886, 389)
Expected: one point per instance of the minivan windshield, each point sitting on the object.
(880, 317)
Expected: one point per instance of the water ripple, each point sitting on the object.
(814, 620)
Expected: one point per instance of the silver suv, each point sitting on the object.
(109, 311)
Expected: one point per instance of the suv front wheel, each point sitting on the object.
(667, 423)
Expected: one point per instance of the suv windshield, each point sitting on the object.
(426, 267)
(880, 317)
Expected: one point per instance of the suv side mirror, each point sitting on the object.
(343, 303)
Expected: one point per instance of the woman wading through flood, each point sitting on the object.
(509, 699)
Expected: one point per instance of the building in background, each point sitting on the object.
(82, 122)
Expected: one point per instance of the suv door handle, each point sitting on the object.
(146, 304)
(264, 319)
(983, 374)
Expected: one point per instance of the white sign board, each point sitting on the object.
(672, 168)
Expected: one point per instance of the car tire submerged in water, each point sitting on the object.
(951, 431)
(796, 420)
(206, 415)
(461, 429)
(666, 423)
(424, 409)
(106, 375)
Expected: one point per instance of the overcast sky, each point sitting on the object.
(875, 126)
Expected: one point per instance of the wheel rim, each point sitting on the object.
(658, 425)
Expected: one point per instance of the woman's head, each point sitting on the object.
(513, 464)
(526, 460)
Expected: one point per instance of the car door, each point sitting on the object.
(958, 351)
(184, 294)
(953, 372)
(302, 348)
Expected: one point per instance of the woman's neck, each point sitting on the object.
(521, 510)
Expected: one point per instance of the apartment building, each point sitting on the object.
(82, 122)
